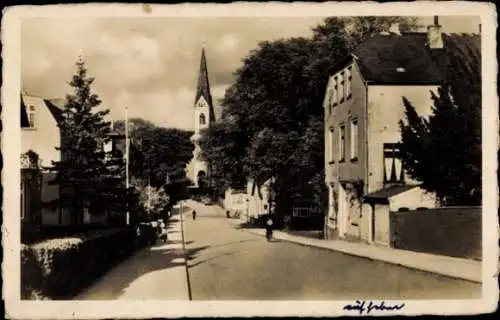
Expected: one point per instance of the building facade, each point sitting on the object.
(363, 108)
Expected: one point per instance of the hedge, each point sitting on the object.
(60, 268)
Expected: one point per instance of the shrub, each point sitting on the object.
(60, 268)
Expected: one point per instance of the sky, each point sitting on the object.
(151, 65)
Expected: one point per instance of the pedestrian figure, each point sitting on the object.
(194, 214)
(163, 232)
(269, 228)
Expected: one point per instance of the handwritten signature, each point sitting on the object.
(361, 306)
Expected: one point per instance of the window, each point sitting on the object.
(330, 98)
(334, 93)
(342, 143)
(393, 169)
(354, 139)
(330, 145)
(202, 119)
(348, 76)
(341, 87)
(31, 117)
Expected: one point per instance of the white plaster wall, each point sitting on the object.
(332, 215)
(342, 214)
(235, 201)
(45, 136)
(366, 220)
(413, 199)
(255, 203)
(382, 224)
(385, 110)
(354, 218)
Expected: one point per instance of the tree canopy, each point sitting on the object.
(165, 153)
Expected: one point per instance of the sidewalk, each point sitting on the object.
(156, 272)
(447, 266)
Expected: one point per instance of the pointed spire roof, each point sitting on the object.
(203, 88)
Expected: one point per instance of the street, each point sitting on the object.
(226, 263)
(230, 264)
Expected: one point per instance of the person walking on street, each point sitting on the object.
(163, 232)
(269, 228)
(194, 214)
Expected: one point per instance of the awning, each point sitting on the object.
(383, 195)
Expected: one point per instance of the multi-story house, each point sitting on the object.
(40, 134)
(363, 106)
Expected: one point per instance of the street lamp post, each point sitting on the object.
(127, 217)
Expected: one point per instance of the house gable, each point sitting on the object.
(44, 136)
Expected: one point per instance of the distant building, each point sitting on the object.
(363, 106)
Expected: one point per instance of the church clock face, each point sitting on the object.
(202, 103)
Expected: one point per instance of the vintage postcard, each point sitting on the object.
(249, 159)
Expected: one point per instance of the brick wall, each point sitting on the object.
(455, 232)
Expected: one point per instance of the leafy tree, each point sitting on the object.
(153, 200)
(444, 152)
(165, 153)
(89, 178)
(355, 30)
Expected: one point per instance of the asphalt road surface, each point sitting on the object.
(225, 263)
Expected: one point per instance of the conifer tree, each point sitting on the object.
(89, 177)
(444, 152)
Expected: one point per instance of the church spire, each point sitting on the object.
(203, 88)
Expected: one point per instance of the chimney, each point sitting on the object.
(395, 29)
(434, 35)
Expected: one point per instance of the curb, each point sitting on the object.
(474, 279)
(190, 295)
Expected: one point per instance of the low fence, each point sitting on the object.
(452, 231)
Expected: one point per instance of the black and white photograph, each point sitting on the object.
(250, 159)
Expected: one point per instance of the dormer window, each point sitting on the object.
(32, 117)
(202, 119)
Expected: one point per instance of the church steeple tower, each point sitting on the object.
(203, 117)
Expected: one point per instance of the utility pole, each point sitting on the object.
(126, 164)
(149, 190)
